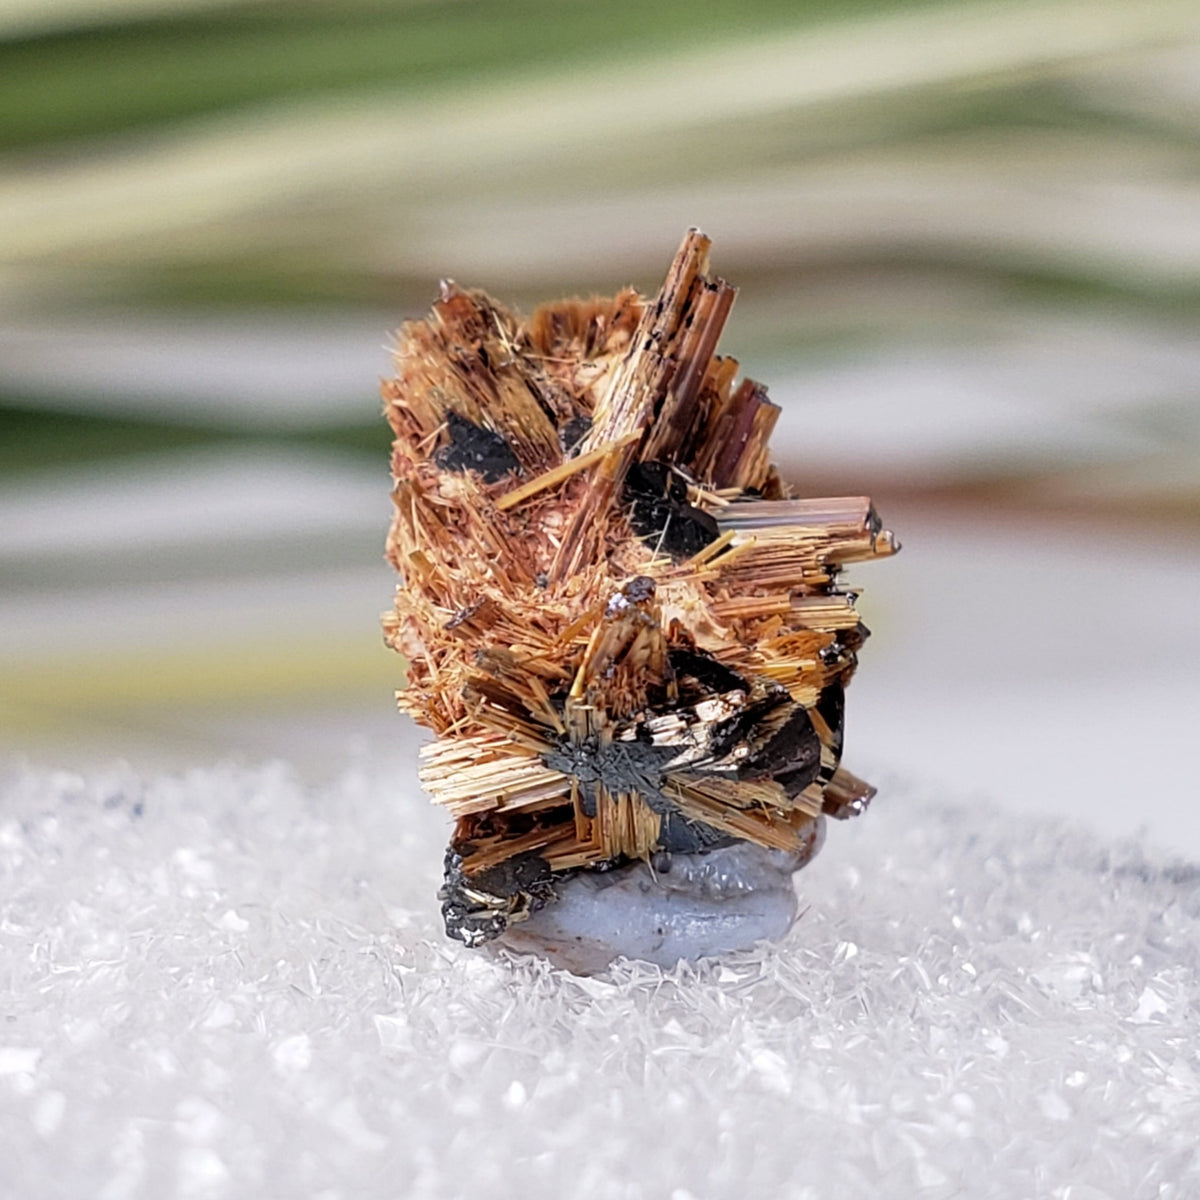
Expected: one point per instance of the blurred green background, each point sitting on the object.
(967, 239)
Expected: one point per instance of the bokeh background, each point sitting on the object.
(968, 242)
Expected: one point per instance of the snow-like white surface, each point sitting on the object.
(223, 984)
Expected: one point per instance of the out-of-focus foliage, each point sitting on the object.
(873, 172)
(967, 238)
(84, 82)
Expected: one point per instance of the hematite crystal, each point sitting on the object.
(630, 641)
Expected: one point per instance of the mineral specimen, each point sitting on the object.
(630, 641)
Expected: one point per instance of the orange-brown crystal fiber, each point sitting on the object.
(540, 619)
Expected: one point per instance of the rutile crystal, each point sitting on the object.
(631, 642)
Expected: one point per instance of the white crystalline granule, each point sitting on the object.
(224, 985)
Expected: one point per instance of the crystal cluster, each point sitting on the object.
(630, 640)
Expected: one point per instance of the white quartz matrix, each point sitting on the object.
(223, 984)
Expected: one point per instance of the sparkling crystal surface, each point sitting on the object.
(224, 984)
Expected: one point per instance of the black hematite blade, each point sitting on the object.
(660, 514)
(471, 447)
